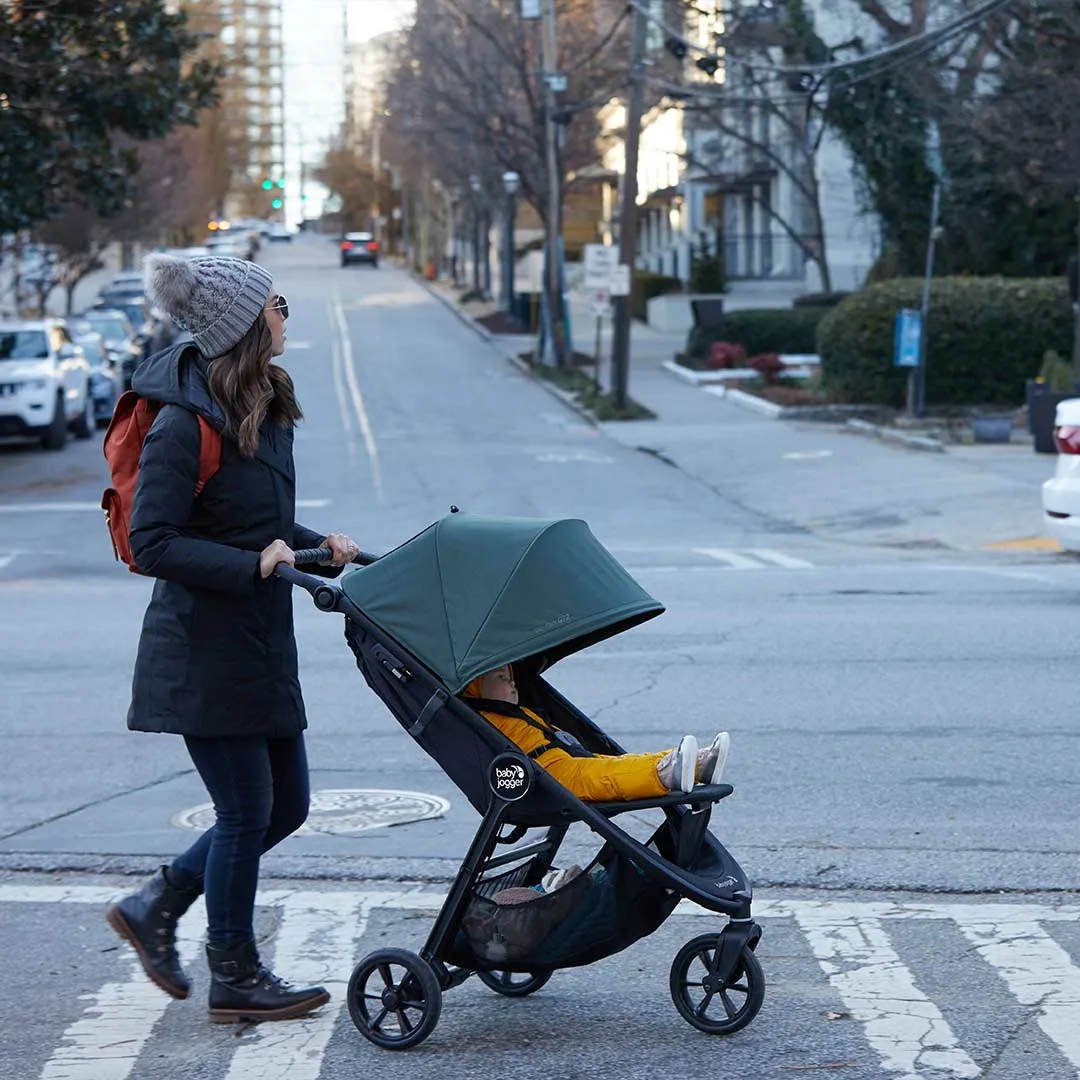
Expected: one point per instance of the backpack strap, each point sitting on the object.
(209, 453)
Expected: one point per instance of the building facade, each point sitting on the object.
(245, 37)
(733, 163)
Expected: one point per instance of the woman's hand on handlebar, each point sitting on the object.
(344, 548)
(270, 557)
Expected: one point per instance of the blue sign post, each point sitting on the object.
(907, 351)
(908, 338)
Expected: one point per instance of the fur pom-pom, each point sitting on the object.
(170, 283)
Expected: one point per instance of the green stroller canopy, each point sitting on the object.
(469, 594)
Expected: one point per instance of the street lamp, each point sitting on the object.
(511, 182)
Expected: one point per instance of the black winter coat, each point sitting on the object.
(217, 655)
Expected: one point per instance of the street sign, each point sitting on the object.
(601, 305)
(530, 9)
(600, 261)
(620, 280)
(908, 338)
(556, 82)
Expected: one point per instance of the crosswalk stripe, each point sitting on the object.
(735, 561)
(315, 946)
(320, 934)
(901, 1023)
(786, 561)
(105, 1042)
(1037, 971)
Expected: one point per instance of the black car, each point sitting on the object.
(115, 329)
(359, 247)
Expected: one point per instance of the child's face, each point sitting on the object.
(498, 685)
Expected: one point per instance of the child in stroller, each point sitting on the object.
(593, 777)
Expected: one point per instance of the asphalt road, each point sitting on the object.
(901, 725)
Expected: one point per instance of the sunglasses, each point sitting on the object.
(279, 303)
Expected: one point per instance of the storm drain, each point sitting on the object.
(342, 811)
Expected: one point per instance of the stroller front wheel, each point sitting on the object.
(511, 984)
(712, 1006)
(394, 999)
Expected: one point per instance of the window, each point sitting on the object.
(23, 345)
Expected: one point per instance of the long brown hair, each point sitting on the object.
(247, 386)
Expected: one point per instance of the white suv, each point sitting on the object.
(44, 383)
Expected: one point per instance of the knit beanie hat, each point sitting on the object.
(216, 299)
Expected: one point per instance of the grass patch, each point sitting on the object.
(587, 394)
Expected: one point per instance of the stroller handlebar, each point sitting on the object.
(324, 554)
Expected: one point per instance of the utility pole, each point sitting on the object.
(548, 63)
(628, 214)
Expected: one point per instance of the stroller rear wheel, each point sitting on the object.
(706, 1002)
(394, 998)
(513, 984)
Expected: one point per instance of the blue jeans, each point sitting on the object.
(261, 791)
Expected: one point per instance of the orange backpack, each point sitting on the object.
(127, 431)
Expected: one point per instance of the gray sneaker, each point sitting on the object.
(677, 767)
(711, 760)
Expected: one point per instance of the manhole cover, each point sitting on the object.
(342, 811)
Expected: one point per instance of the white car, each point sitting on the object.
(280, 231)
(1061, 493)
(45, 381)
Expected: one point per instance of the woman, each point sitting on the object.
(217, 656)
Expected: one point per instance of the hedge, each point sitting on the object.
(985, 336)
(768, 330)
(646, 286)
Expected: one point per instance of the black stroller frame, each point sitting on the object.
(682, 860)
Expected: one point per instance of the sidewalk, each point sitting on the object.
(818, 477)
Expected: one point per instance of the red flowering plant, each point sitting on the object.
(769, 366)
(724, 355)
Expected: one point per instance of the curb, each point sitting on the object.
(488, 337)
(912, 442)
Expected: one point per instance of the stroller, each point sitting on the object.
(467, 595)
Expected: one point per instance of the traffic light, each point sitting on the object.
(277, 204)
(267, 184)
(281, 184)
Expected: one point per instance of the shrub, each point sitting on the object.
(723, 356)
(820, 299)
(985, 337)
(646, 286)
(771, 330)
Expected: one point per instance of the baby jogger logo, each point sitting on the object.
(508, 777)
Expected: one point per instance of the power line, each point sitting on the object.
(932, 37)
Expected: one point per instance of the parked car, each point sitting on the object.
(138, 314)
(105, 377)
(44, 383)
(120, 340)
(1061, 493)
(279, 231)
(232, 246)
(126, 283)
(359, 247)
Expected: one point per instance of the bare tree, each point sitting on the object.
(466, 100)
(176, 186)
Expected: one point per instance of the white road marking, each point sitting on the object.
(321, 930)
(1036, 969)
(343, 405)
(349, 365)
(734, 560)
(902, 1024)
(315, 946)
(786, 561)
(105, 1042)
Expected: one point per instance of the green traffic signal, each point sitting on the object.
(277, 204)
(281, 184)
(267, 185)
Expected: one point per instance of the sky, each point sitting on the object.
(314, 34)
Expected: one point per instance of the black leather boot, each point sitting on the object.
(241, 988)
(148, 920)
